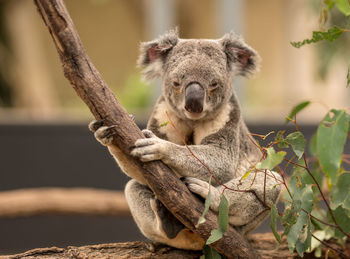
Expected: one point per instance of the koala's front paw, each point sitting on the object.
(150, 148)
(105, 135)
(202, 188)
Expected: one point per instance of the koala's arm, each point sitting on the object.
(221, 160)
(246, 209)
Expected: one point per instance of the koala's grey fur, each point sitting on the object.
(198, 97)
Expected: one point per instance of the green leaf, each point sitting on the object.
(296, 109)
(343, 6)
(331, 138)
(217, 234)
(246, 174)
(340, 194)
(317, 36)
(272, 159)
(298, 233)
(206, 206)
(329, 3)
(223, 214)
(164, 124)
(342, 217)
(290, 215)
(210, 253)
(313, 145)
(280, 139)
(297, 141)
(273, 220)
(304, 242)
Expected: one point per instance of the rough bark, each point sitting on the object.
(92, 89)
(62, 201)
(265, 244)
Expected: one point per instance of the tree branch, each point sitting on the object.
(92, 89)
(62, 201)
(264, 243)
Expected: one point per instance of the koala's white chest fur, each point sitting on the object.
(206, 128)
(196, 131)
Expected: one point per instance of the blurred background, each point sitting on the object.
(44, 139)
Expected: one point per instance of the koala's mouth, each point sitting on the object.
(194, 99)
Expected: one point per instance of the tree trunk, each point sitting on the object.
(92, 89)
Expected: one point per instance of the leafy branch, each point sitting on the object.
(330, 35)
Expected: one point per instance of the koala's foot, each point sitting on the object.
(202, 189)
(102, 133)
(167, 223)
(95, 125)
(150, 148)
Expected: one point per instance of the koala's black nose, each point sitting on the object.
(194, 98)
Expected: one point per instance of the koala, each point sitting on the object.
(198, 97)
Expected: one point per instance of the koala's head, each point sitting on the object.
(197, 74)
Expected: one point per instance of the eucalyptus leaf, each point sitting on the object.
(223, 214)
(297, 141)
(303, 244)
(217, 234)
(340, 194)
(296, 109)
(343, 218)
(273, 221)
(343, 6)
(272, 159)
(329, 3)
(331, 137)
(280, 139)
(210, 253)
(246, 174)
(206, 206)
(317, 36)
(313, 145)
(298, 233)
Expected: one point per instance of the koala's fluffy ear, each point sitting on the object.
(241, 58)
(153, 54)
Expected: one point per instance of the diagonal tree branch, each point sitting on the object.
(92, 89)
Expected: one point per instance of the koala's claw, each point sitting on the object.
(95, 125)
(132, 116)
(105, 134)
(148, 133)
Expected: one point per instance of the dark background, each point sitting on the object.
(68, 156)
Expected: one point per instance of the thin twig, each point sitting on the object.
(330, 247)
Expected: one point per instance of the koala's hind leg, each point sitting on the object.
(155, 221)
(104, 135)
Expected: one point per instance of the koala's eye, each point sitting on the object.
(176, 84)
(213, 85)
